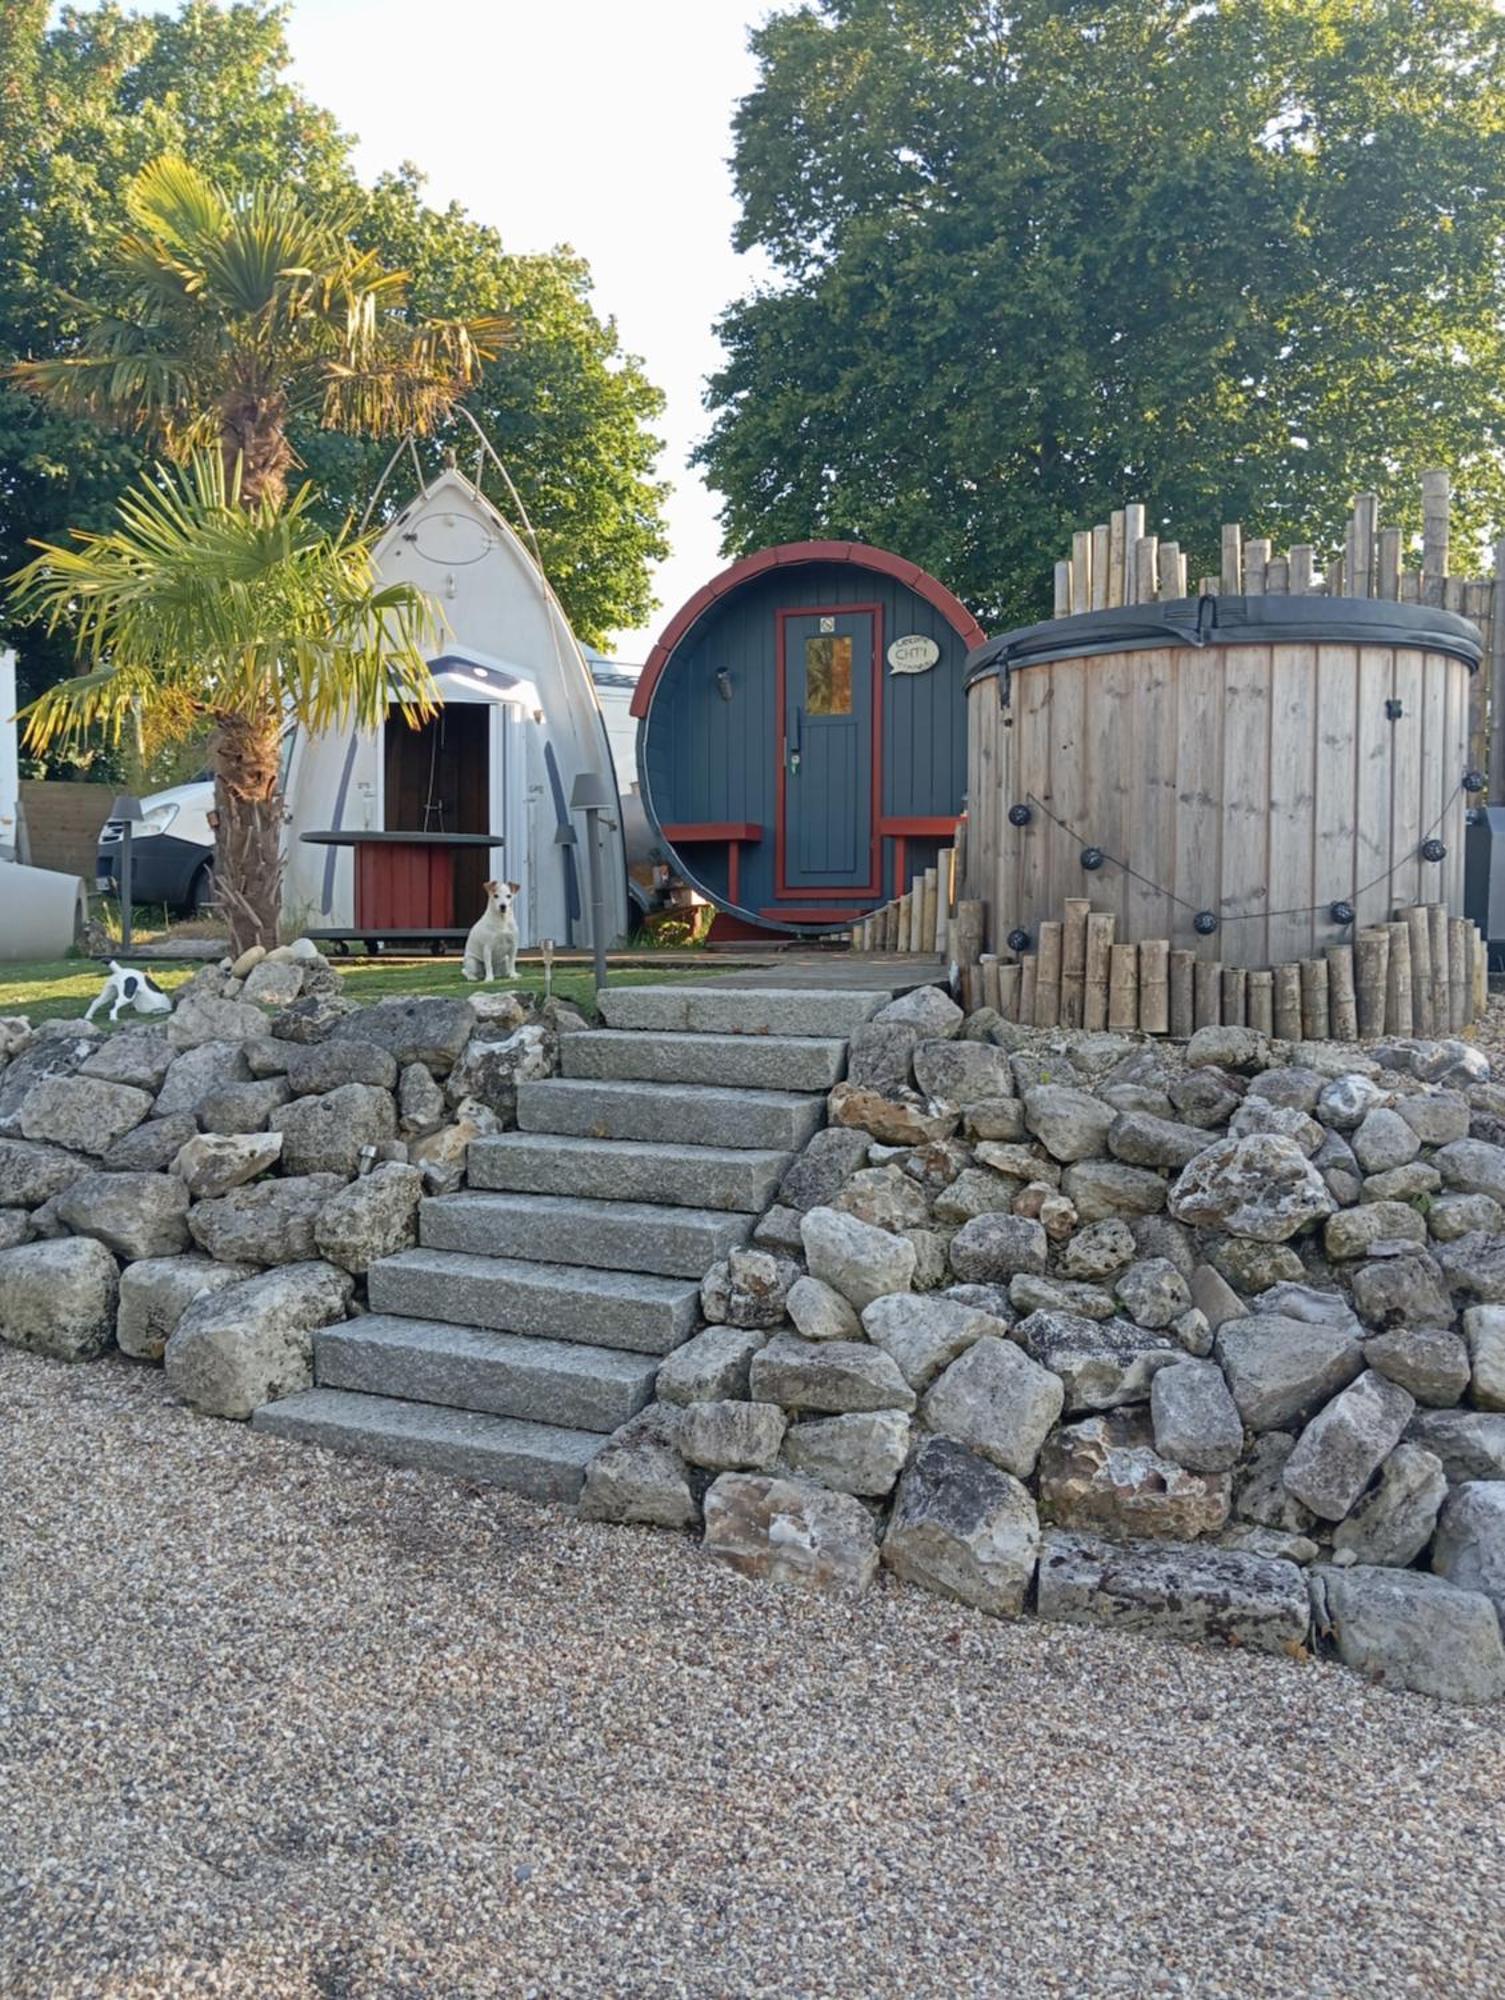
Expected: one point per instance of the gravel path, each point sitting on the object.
(277, 1724)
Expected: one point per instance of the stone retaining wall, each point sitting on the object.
(207, 1190)
(1208, 1343)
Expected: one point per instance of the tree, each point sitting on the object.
(198, 607)
(1236, 258)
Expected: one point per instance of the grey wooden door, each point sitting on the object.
(826, 830)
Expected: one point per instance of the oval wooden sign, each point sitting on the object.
(913, 654)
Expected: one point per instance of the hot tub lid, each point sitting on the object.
(1228, 621)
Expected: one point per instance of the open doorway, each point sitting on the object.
(438, 780)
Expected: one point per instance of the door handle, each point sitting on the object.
(796, 740)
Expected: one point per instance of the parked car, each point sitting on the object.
(172, 850)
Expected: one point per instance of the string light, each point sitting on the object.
(1342, 913)
(1020, 815)
(1020, 940)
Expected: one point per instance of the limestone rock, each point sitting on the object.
(862, 1453)
(959, 1073)
(1207, 1097)
(420, 1101)
(779, 1230)
(50, 1055)
(1152, 1292)
(1257, 1114)
(711, 1367)
(151, 1148)
(1259, 1491)
(1470, 1546)
(885, 1197)
(15, 1228)
(313, 1017)
(1102, 1364)
(241, 1107)
(1384, 1141)
(856, 1260)
(1232, 1048)
(1345, 1444)
(1407, 1630)
(1470, 1443)
(1103, 1188)
(58, 1298)
(1393, 1522)
(1029, 1294)
(1344, 1102)
(1354, 1231)
(639, 1476)
(1018, 1163)
(316, 1067)
(80, 1113)
(201, 1017)
(198, 1071)
(1275, 1543)
(1099, 1250)
(818, 1173)
(491, 1071)
(1474, 1266)
(1214, 1297)
(828, 1376)
(1262, 1186)
(880, 1056)
(269, 1222)
(1105, 1474)
(989, 1249)
(904, 1120)
(732, 1435)
(1402, 1291)
(749, 1288)
(963, 1529)
(1484, 1331)
(423, 1028)
(1279, 1370)
(998, 1401)
(266, 1057)
(1310, 1305)
(1437, 1117)
(820, 1312)
(135, 1215)
(976, 1191)
(1155, 1142)
(155, 1292)
(925, 1335)
(1472, 1167)
(994, 1118)
(1408, 1183)
(790, 1531)
(140, 1057)
(440, 1156)
(1070, 1124)
(31, 1173)
(210, 1165)
(1450, 1216)
(326, 1134)
(252, 1343)
(926, 1009)
(1428, 1362)
(1251, 1267)
(1196, 1421)
(1226, 1595)
(373, 1217)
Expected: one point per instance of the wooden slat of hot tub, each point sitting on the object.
(1246, 792)
(1337, 728)
(1376, 671)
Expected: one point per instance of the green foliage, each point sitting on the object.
(88, 102)
(195, 606)
(1236, 258)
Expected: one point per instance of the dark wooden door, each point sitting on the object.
(438, 780)
(827, 826)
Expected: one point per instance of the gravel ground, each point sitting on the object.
(278, 1724)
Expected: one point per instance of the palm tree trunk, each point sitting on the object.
(253, 438)
(248, 840)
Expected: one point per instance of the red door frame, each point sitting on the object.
(874, 883)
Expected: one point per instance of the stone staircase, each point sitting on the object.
(532, 1317)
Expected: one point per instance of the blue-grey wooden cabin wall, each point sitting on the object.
(702, 758)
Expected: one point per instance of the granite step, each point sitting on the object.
(627, 1169)
(622, 1309)
(721, 1010)
(678, 1114)
(669, 1242)
(751, 1062)
(542, 1461)
(475, 1368)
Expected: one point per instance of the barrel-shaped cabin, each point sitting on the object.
(802, 749)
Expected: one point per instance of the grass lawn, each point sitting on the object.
(65, 987)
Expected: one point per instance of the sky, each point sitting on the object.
(604, 124)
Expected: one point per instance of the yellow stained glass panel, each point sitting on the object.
(828, 676)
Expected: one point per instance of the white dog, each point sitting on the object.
(128, 989)
(493, 936)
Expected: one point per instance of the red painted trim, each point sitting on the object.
(734, 871)
(791, 555)
(687, 834)
(899, 860)
(918, 829)
(838, 916)
(874, 884)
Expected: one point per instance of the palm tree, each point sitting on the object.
(231, 316)
(198, 608)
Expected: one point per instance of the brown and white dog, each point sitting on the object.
(493, 936)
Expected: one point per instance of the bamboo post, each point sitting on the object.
(1133, 535)
(1008, 991)
(990, 986)
(1300, 581)
(1207, 586)
(1027, 990)
(972, 988)
(1278, 577)
(1081, 570)
(1387, 564)
(1366, 517)
(1235, 996)
(1207, 994)
(901, 938)
(951, 955)
(1233, 559)
(1438, 941)
(1063, 590)
(1371, 952)
(927, 912)
(1423, 1020)
(1400, 991)
(1100, 927)
(1146, 563)
(1115, 557)
(1481, 974)
(1436, 493)
(1287, 980)
(1074, 960)
(1262, 1002)
(917, 939)
(1123, 986)
(1335, 577)
(1342, 1001)
(1183, 1010)
(944, 865)
(971, 923)
(1171, 577)
(1154, 986)
(1460, 973)
(1256, 555)
(1101, 559)
(1048, 976)
(1314, 999)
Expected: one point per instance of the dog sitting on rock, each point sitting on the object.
(126, 987)
(493, 936)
